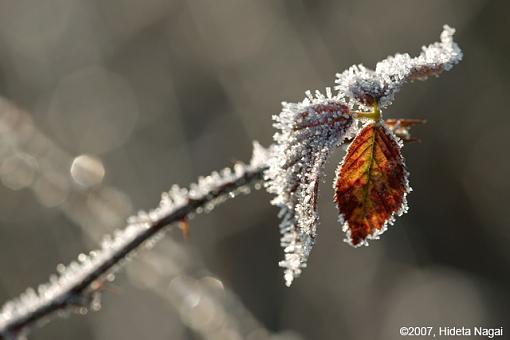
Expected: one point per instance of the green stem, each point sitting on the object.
(374, 115)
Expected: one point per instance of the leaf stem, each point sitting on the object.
(375, 114)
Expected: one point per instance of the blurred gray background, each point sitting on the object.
(108, 103)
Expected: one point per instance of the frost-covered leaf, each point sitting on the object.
(372, 184)
(307, 132)
(366, 86)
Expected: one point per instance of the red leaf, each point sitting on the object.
(371, 184)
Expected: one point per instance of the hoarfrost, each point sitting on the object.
(308, 131)
(365, 85)
(77, 285)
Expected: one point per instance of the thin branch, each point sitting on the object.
(77, 285)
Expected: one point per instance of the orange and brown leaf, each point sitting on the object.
(371, 184)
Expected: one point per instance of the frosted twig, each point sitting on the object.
(77, 285)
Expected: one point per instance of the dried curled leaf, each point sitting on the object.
(372, 184)
(307, 132)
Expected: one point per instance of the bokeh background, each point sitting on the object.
(105, 104)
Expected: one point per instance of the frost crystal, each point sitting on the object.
(365, 85)
(308, 131)
(64, 290)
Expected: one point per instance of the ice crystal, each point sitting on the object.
(365, 86)
(308, 132)
(101, 264)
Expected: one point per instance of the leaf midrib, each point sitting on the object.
(368, 173)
